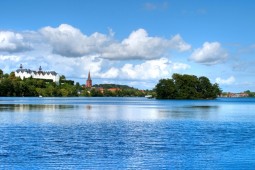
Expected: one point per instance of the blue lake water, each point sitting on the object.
(127, 133)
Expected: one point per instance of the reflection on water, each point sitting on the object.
(89, 107)
(203, 107)
(203, 112)
(79, 110)
(58, 113)
(126, 133)
(30, 107)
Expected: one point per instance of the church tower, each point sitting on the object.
(89, 81)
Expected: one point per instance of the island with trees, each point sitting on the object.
(186, 87)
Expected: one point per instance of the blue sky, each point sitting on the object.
(132, 42)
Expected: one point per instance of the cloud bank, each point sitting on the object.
(68, 41)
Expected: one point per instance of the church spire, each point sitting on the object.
(89, 81)
(89, 76)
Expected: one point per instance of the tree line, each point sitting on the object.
(187, 87)
(12, 86)
(103, 90)
(179, 87)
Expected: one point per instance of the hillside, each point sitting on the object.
(108, 86)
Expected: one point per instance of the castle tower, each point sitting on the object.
(40, 70)
(89, 81)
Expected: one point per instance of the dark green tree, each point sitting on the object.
(96, 93)
(205, 87)
(166, 89)
(6, 87)
(1, 74)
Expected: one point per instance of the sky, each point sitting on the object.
(134, 42)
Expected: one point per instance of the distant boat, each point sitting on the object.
(40, 96)
(148, 96)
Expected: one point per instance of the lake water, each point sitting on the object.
(127, 133)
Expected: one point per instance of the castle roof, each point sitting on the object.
(22, 70)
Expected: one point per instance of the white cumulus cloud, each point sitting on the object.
(178, 43)
(209, 54)
(227, 81)
(139, 45)
(148, 70)
(71, 42)
(152, 69)
(111, 73)
(180, 66)
(10, 58)
(68, 41)
(13, 42)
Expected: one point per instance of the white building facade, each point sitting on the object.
(46, 75)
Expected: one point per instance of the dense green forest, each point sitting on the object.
(14, 86)
(186, 87)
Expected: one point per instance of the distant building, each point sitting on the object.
(27, 73)
(235, 95)
(101, 89)
(113, 90)
(89, 81)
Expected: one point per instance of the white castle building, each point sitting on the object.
(47, 75)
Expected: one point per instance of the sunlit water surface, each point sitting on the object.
(126, 133)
